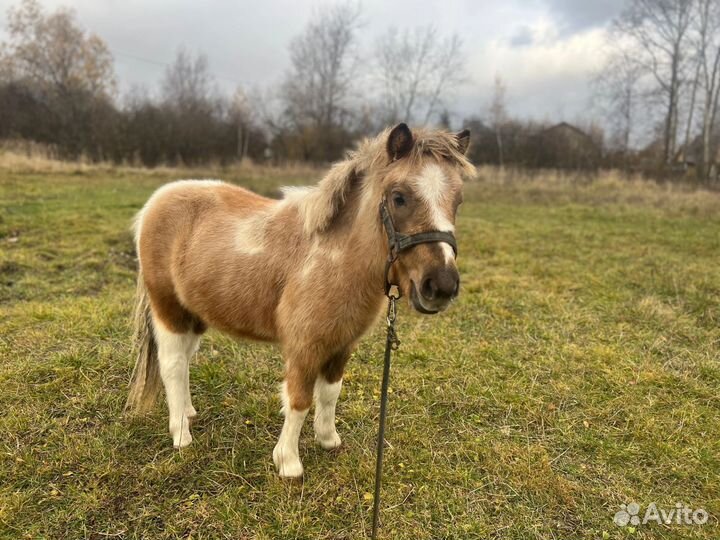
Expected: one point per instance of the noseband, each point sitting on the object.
(399, 242)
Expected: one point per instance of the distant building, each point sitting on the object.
(565, 146)
(532, 144)
(690, 156)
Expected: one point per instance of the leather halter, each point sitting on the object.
(399, 242)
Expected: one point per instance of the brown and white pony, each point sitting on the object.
(306, 271)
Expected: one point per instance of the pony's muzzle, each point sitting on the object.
(437, 289)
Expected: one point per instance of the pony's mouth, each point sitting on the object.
(417, 302)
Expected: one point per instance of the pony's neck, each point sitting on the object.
(365, 236)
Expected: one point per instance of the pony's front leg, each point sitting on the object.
(297, 393)
(326, 396)
(327, 390)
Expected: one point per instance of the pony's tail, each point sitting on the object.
(145, 382)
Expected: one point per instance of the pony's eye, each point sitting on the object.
(398, 199)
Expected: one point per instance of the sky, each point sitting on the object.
(546, 51)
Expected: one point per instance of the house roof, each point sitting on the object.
(569, 127)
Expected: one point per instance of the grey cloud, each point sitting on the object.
(523, 37)
(578, 15)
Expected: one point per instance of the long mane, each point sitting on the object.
(319, 204)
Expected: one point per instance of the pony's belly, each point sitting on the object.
(237, 307)
(253, 318)
(247, 333)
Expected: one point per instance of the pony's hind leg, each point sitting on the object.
(193, 346)
(190, 411)
(174, 351)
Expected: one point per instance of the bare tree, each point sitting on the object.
(324, 62)
(193, 107)
(617, 90)
(64, 70)
(415, 69)
(54, 54)
(708, 47)
(694, 82)
(659, 32)
(243, 112)
(498, 114)
(187, 83)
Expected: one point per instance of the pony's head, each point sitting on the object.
(419, 174)
(422, 187)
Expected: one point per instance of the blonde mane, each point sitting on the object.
(318, 205)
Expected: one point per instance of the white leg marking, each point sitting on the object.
(193, 346)
(326, 396)
(173, 356)
(286, 454)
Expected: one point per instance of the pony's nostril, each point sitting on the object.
(428, 289)
(440, 286)
(446, 285)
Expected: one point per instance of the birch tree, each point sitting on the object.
(498, 115)
(708, 47)
(659, 30)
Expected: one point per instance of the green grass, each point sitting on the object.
(578, 371)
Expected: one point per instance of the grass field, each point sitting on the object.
(577, 372)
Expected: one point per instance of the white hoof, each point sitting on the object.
(288, 465)
(181, 437)
(329, 442)
(182, 442)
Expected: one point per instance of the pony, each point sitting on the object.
(306, 271)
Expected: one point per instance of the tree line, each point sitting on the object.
(58, 86)
(657, 93)
(662, 77)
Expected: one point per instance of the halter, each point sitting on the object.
(399, 242)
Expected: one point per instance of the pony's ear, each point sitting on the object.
(400, 142)
(463, 140)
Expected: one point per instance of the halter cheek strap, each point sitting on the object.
(399, 242)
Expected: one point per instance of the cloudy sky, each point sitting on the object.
(545, 50)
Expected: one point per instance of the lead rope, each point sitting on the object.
(397, 242)
(391, 344)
